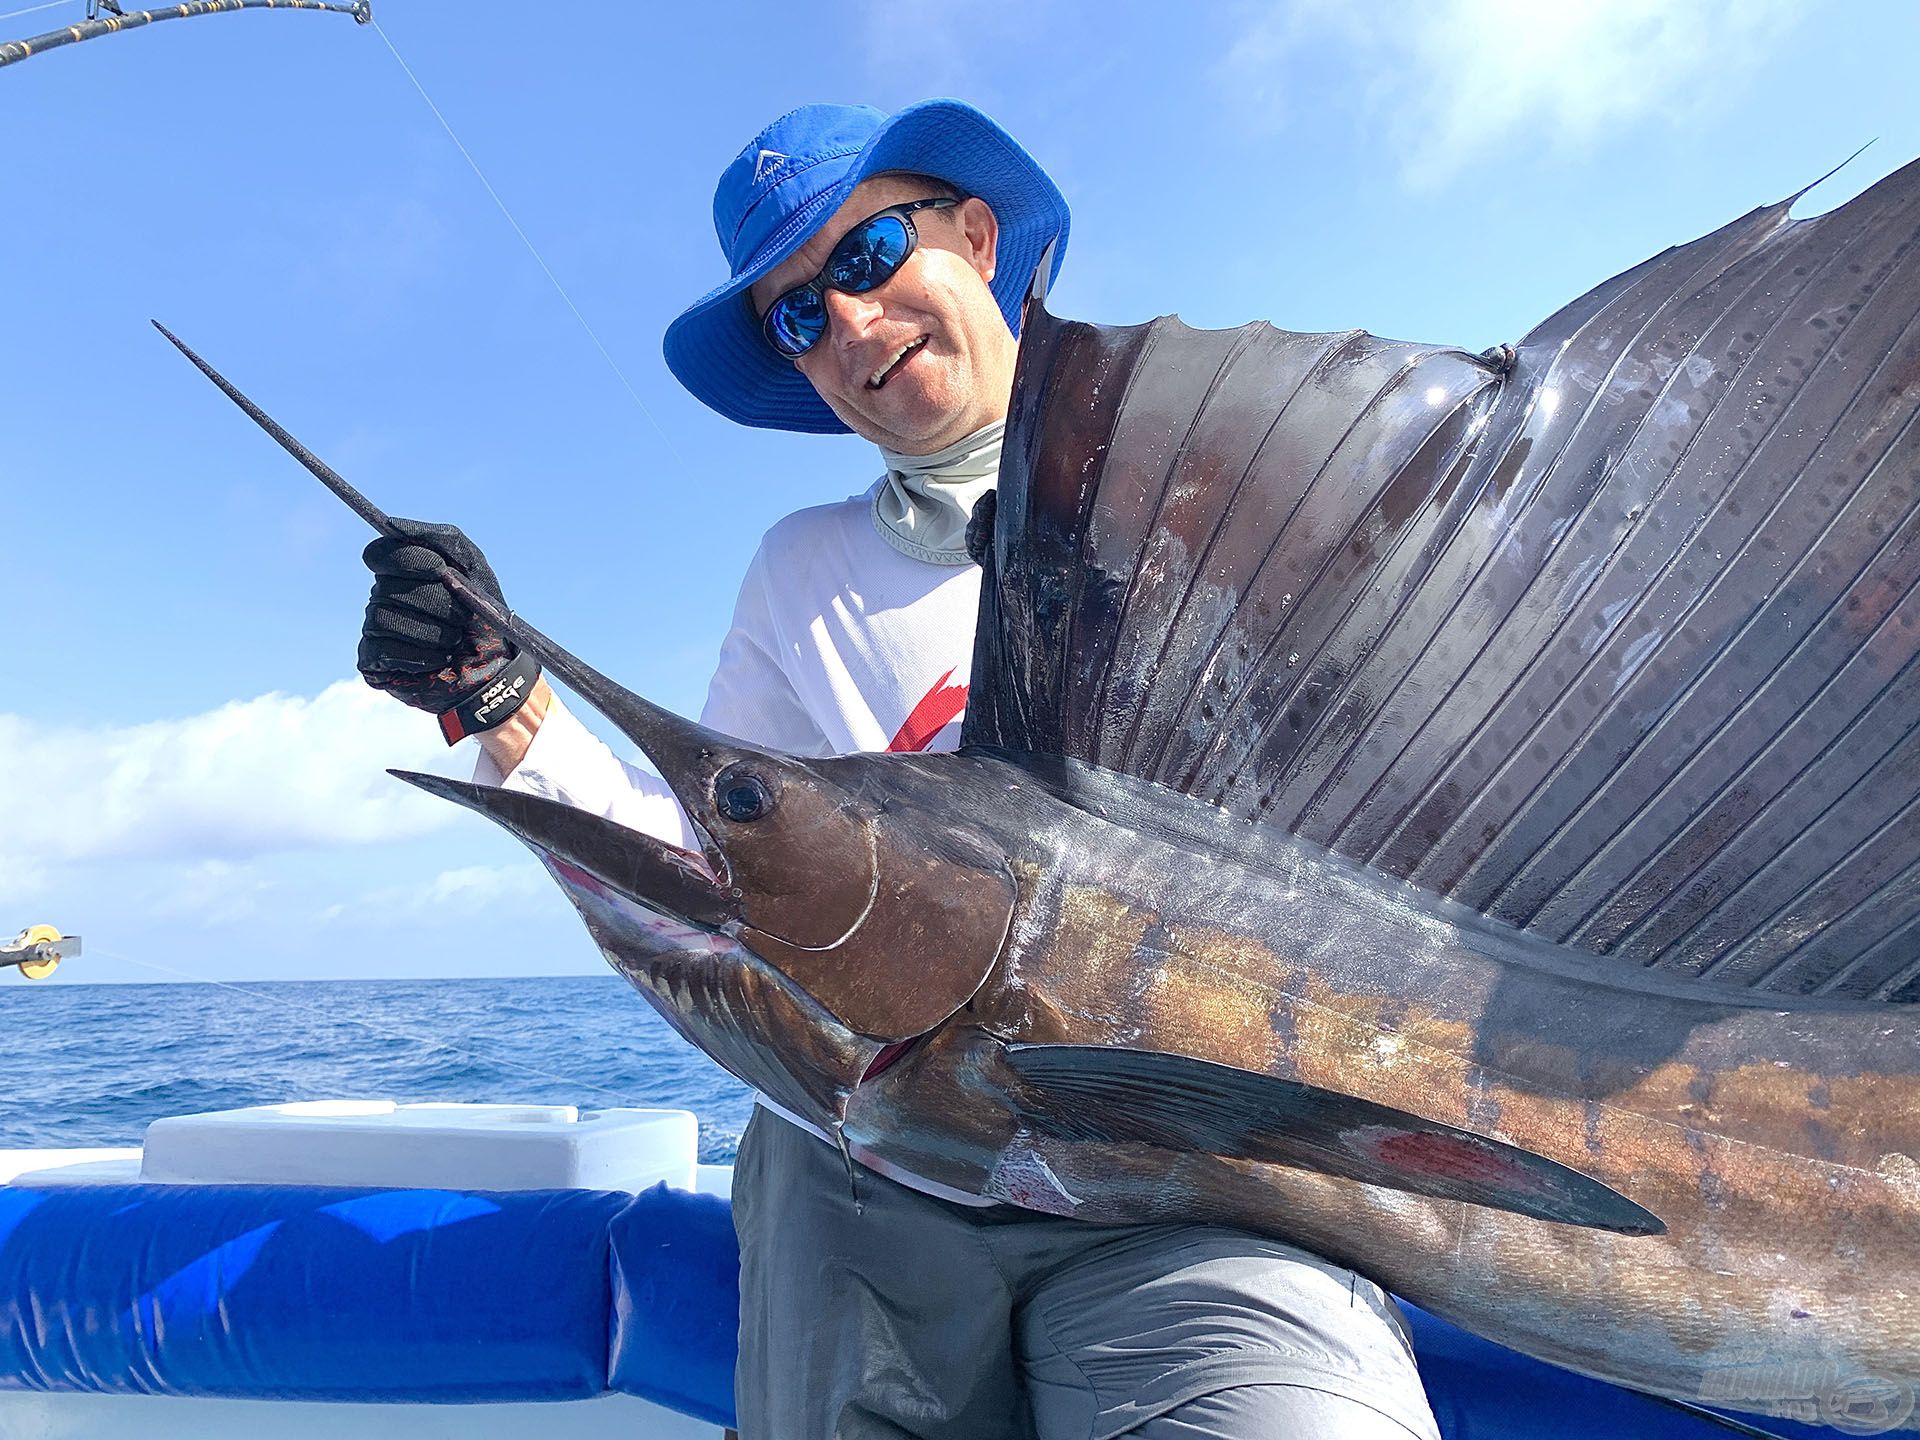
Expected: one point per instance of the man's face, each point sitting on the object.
(932, 334)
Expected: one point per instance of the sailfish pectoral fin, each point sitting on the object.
(1117, 1096)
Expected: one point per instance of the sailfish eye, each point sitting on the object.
(742, 796)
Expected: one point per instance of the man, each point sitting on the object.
(878, 264)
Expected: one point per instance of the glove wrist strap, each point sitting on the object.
(493, 703)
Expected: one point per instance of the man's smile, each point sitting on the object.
(894, 361)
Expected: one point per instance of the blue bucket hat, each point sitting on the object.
(789, 181)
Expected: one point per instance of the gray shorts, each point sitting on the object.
(918, 1318)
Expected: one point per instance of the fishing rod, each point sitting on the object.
(38, 950)
(116, 19)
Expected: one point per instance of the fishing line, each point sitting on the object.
(49, 5)
(364, 1023)
(528, 242)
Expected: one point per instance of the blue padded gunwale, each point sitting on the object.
(306, 1292)
(676, 1302)
(451, 1296)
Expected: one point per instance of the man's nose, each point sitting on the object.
(849, 316)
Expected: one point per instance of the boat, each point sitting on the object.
(366, 1268)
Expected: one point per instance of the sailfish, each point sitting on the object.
(1456, 812)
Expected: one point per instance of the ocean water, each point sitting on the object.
(92, 1064)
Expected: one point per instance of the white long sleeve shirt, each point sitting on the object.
(840, 642)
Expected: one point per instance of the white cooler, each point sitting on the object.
(464, 1147)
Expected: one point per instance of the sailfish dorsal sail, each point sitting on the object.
(1614, 637)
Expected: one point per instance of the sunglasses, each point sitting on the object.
(866, 258)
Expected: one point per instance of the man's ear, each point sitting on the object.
(980, 228)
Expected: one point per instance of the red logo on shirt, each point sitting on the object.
(938, 708)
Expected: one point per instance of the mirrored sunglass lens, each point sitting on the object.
(796, 322)
(869, 254)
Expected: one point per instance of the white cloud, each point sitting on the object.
(253, 777)
(206, 894)
(468, 889)
(1452, 81)
(21, 879)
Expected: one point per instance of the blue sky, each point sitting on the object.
(190, 774)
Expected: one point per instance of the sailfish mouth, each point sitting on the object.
(695, 887)
(684, 925)
(808, 905)
(678, 884)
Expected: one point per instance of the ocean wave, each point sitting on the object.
(86, 1065)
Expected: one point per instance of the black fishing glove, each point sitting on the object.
(421, 644)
